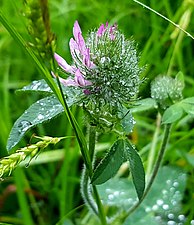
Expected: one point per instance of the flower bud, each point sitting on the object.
(166, 90)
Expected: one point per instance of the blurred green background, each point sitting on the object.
(46, 191)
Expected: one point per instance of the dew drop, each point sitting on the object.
(111, 197)
(160, 202)
(164, 192)
(158, 219)
(155, 207)
(169, 182)
(24, 125)
(165, 207)
(35, 85)
(171, 222)
(116, 193)
(172, 189)
(192, 222)
(175, 184)
(40, 117)
(181, 217)
(108, 190)
(170, 216)
(148, 209)
(130, 201)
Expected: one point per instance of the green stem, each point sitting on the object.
(152, 152)
(155, 171)
(85, 181)
(86, 186)
(92, 141)
(101, 212)
(86, 192)
(79, 135)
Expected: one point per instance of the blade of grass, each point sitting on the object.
(56, 89)
(164, 17)
(42, 69)
(24, 206)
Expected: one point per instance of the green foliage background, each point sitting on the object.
(49, 189)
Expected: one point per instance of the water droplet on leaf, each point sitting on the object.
(40, 117)
(24, 125)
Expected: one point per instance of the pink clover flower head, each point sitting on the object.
(105, 66)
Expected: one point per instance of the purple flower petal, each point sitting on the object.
(76, 30)
(78, 37)
(79, 79)
(81, 43)
(66, 82)
(74, 49)
(81, 57)
(86, 59)
(100, 30)
(63, 64)
(87, 92)
(111, 31)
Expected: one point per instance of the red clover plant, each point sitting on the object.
(104, 80)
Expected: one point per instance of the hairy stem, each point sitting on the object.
(86, 186)
(86, 192)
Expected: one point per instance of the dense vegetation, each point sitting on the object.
(47, 191)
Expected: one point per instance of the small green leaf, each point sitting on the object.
(127, 121)
(37, 86)
(188, 105)
(180, 77)
(188, 108)
(172, 114)
(39, 112)
(41, 86)
(143, 105)
(110, 164)
(136, 168)
(189, 100)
